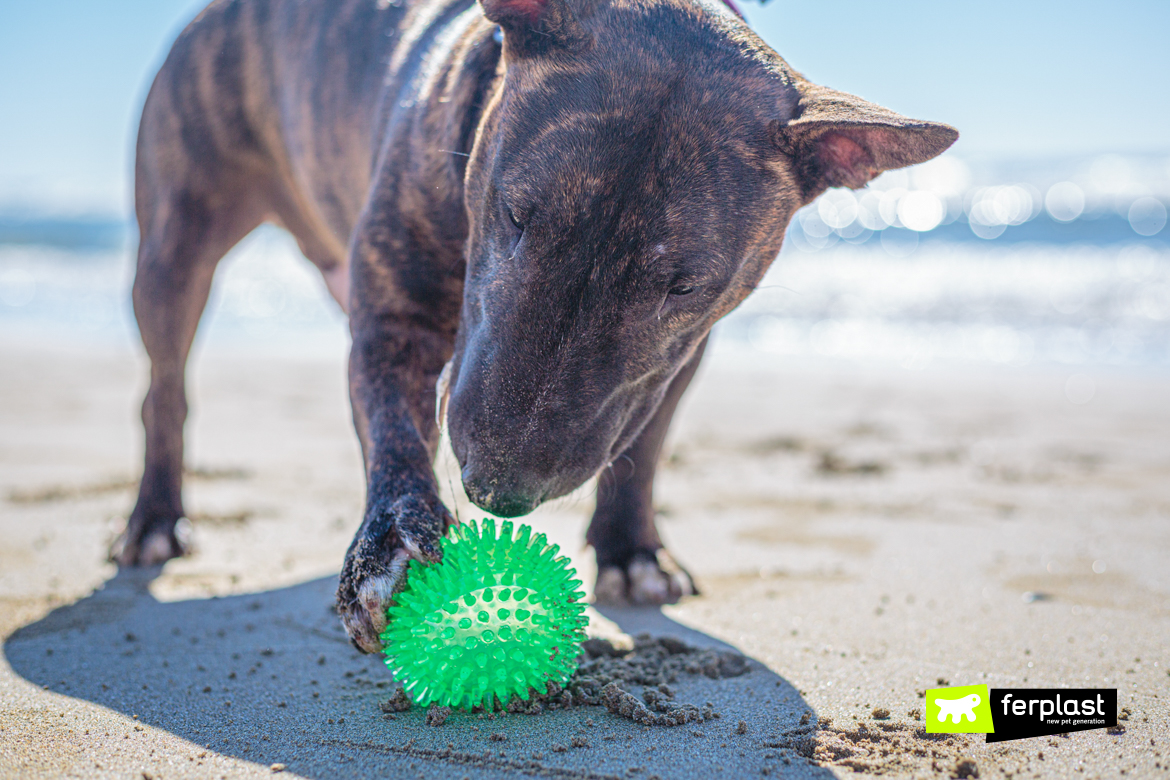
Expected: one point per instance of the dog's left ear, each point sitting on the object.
(534, 26)
(838, 140)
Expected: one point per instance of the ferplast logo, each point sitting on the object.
(1019, 713)
(965, 709)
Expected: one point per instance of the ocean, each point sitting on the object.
(1064, 263)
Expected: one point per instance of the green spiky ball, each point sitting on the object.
(498, 616)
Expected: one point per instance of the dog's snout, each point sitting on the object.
(503, 499)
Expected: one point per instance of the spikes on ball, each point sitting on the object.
(501, 614)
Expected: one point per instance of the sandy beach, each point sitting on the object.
(861, 533)
(929, 450)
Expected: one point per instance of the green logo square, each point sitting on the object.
(965, 709)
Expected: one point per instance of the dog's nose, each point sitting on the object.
(496, 496)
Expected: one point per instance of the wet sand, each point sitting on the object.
(859, 533)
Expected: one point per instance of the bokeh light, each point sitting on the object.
(946, 176)
(921, 210)
(1111, 173)
(837, 208)
(888, 205)
(1147, 216)
(869, 211)
(1065, 201)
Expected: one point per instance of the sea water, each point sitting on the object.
(944, 302)
(1063, 264)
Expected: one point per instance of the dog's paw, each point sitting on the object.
(376, 565)
(645, 580)
(364, 614)
(151, 545)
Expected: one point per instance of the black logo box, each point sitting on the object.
(1019, 713)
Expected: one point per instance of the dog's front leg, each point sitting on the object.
(632, 564)
(400, 344)
(393, 371)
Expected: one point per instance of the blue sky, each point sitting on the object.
(1019, 78)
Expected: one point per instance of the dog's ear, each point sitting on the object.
(533, 26)
(838, 140)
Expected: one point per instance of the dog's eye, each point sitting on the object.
(516, 222)
(682, 289)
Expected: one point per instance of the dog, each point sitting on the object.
(533, 212)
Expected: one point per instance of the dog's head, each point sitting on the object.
(630, 183)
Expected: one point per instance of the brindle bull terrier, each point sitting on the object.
(540, 207)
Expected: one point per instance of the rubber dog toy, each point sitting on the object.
(500, 615)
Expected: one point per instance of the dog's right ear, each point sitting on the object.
(534, 26)
(840, 140)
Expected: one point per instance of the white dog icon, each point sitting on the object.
(958, 708)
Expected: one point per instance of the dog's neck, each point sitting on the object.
(443, 75)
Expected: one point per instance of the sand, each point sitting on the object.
(859, 533)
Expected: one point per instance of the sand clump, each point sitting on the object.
(666, 712)
(399, 701)
(888, 747)
(607, 673)
(437, 716)
(966, 769)
(655, 661)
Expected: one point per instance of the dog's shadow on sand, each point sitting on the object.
(272, 679)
